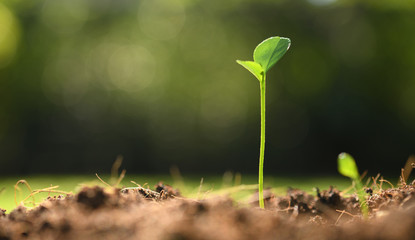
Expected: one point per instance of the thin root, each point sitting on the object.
(138, 185)
(347, 213)
(402, 178)
(386, 181)
(115, 166)
(341, 214)
(106, 184)
(122, 175)
(16, 188)
(34, 192)
(200, 188)
(375, 179)
(48, 190)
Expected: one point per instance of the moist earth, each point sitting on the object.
(140, 213)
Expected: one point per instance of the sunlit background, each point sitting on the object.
(156, 81)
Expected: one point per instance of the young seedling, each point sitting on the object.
(266, 55)
(347, 167)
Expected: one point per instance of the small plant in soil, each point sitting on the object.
(347, 167)
(266, 55)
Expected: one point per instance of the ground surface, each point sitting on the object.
(111, 213)
(188, 185)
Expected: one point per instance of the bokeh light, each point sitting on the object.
(156, 81)
(161, 19)
(65, 17)
(9, 35)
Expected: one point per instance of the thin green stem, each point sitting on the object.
(262, 145)
(362, 198)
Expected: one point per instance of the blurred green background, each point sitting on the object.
(83, 81)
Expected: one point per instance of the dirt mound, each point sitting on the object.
(138, 213)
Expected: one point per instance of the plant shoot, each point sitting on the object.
(266, 55)
(347, 167)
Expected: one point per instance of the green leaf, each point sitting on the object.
(347, 166)
(253, 67)
(268, 52)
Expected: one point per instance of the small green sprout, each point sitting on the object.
(266, 55)
(347, 167)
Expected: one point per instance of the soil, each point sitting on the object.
(139, 213)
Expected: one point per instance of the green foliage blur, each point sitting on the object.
(82, 81)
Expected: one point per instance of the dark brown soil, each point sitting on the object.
(97, 213)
